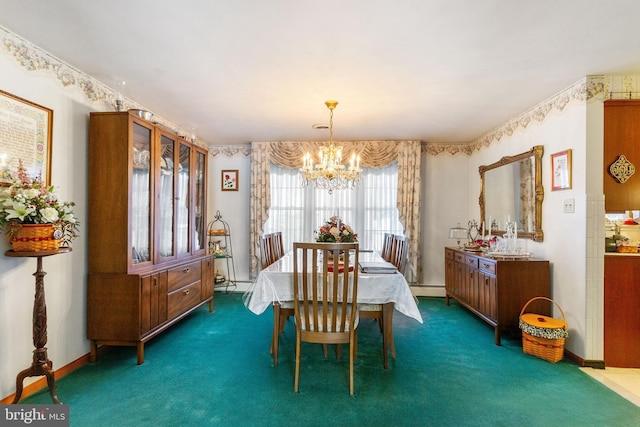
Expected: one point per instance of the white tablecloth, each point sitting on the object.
(275, 283)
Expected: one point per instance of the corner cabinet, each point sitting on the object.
(495, 290)
(148, 262)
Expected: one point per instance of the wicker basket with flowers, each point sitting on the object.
(32, 216)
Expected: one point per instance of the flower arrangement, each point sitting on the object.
(29, 201)
(336, 231)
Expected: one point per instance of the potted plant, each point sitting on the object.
(32, 216)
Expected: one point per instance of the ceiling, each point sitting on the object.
(441, 71)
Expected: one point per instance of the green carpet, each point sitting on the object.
(215, 369)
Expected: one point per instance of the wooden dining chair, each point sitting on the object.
(323, 310)
(399, 252)
(266, 250)
(387, 246)
(277, 245)
(271, 250)
(397, 256)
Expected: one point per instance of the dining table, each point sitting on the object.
(274, 285)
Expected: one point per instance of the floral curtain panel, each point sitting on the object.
(372, 154)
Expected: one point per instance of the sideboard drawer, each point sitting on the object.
(183, 299)
(471, 261)
(488, 266)
(183, 275)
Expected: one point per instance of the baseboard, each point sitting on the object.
(428, 291)
(584, 363)
(41, 382)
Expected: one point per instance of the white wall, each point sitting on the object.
(446, 191)
(65, 279)
(564, 242)
(234, 208)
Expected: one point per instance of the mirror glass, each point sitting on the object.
(511, 190)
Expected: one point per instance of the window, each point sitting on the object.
(370, 209)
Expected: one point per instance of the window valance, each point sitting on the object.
(372, 154)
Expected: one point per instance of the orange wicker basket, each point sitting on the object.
(543, 336)
(33, 238)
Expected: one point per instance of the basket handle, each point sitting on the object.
(544, 298)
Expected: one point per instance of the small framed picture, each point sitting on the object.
(561, 170)
(230, 180)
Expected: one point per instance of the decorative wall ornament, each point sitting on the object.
(622, 169)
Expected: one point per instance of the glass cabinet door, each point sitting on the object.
(166, 196)
(141, 195)
(199, 202)
(182, 199)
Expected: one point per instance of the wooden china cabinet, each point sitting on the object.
(148, 260)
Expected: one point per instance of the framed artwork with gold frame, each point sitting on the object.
(26, 130)
(230, 180)
(561, 170)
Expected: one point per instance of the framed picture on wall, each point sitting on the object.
(26, 136)
(230, 180)
(561, 170)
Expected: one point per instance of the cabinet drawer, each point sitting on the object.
(183, 299)
(471, 261)
(183, 275)
(449, 254)
(488, 266)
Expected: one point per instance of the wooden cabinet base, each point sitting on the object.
(131, 309)
(621, 300)
(139, 344)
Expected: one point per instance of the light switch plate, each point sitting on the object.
(569, 205)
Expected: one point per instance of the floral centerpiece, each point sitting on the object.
(28, 202)
(336, 231)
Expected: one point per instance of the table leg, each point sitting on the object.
(41, 364)
(387, 332)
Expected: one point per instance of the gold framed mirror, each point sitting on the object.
(511, 190)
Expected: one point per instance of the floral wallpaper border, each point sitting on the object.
(33, 58)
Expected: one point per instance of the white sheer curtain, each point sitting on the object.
(370, 209)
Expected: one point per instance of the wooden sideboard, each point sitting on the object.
(495, 290)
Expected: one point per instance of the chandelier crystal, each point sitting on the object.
(329, 173)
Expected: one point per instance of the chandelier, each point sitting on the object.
(329, 173)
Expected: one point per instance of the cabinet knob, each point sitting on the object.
(155, 282)
(486, 281)
(186, 270)
(186, 292)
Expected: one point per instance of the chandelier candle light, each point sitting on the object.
(329, 173)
